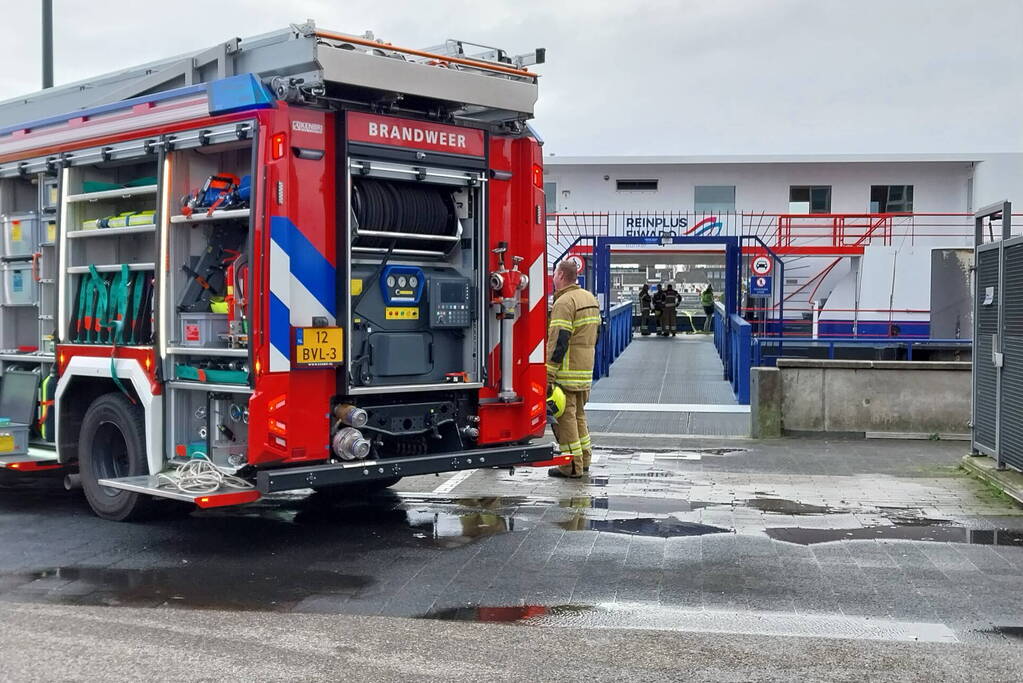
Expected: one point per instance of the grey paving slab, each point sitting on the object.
(817, 528)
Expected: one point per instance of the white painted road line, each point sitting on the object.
(455, 479)
(668, 407)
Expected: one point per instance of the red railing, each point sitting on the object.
(838, 231)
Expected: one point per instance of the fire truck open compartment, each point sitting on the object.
(417, 307)
(28, 269)
(205, 273)
(279, 263)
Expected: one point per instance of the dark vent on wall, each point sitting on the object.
(638, 185)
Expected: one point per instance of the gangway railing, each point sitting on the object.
(615, 335)
(732, 339)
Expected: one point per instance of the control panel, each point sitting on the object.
(450, 302)
(402, 284)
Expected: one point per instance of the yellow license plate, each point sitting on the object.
(318, 346)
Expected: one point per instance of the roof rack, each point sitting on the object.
(304, 63)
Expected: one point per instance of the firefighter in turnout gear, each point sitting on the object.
(658, 300)
(645, 305)
(671, 302)
(571, 346)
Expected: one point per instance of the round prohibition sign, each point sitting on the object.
(762, 265)
(580, 263)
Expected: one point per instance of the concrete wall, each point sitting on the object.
(859, 397)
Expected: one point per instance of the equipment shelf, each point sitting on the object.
(217, 216)
(206, 351)
(27, 357)
(79, 270)
(120, 193)
(111, 232)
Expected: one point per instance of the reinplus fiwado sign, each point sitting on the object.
(422, 135)
(666, 225)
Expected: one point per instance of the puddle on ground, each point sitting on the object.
(639, 504)
(659, 527)
(188, 586)
(504, 615)
(624, 478)
(938, 533)
(1008, 631)
(782, 506)
(452, 530)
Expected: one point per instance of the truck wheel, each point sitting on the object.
(112, 444)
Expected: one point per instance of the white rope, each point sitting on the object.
(199, 476)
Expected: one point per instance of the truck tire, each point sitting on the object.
(112, 444)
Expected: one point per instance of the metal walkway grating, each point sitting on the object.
(678, 370)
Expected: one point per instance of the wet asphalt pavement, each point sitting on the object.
(869, 540)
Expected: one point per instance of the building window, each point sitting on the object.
(714, 198)
(636, 185)
(891, 199)
(810, 199)
(550, 191)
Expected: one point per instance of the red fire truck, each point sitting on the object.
(299, 260)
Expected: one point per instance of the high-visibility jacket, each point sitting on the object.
(706, 298)
(577, 313)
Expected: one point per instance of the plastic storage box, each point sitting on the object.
(19, 284)
(19, 234)
(203, 329)
(14, 439)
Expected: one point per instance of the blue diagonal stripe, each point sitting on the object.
(280, 326)
(308, 265)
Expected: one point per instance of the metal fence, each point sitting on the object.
(998, 330)
(615, 335)
(732, 338)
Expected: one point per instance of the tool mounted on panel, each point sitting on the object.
(113, 308)
(222, 191)
(507, 286)
(208, 272)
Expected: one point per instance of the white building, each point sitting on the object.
(941, 183)
(869, 274)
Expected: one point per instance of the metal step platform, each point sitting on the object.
(152, 485)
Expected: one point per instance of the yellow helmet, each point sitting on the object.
(556, 401)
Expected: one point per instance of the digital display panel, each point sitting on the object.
(452, 292)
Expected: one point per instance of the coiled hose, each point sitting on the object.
(405, 207)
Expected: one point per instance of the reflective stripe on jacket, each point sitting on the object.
(576, 311)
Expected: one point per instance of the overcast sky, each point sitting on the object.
(640, 76)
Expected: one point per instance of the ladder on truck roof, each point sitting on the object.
(304, 63)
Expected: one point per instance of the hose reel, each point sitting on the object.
(415, 216)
